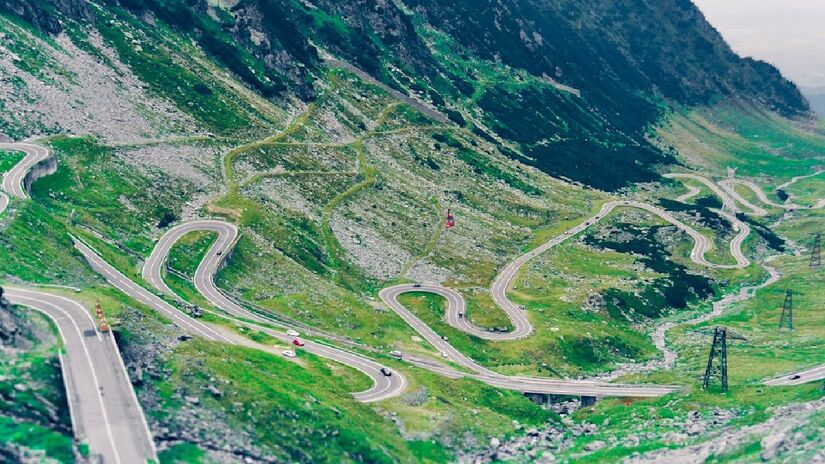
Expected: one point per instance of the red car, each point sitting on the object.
(297, 342)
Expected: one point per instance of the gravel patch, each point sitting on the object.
(430, 273)
(776, 438)
(197, 164)
(377, 256)
(88, 97)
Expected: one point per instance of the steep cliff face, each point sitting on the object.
(613, 49)
(13, 329)
(284, 34)
(46, 14)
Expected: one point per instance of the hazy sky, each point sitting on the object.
(787, 33)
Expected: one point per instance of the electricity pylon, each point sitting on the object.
(786, 321)
(717, 367)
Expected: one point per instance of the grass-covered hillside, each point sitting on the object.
(569, 88)
(336, 135)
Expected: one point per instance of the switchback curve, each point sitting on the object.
(383, 386)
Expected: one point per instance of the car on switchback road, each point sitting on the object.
(288, 353)
(386, 372)
(292, 333)
(298, 342)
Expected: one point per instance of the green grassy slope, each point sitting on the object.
(342, 196)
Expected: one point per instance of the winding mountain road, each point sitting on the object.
(729, 210)
(104, 408)
(729, 186)
(729, 196)
(692, 192)
(383, 386)
(209, 266)
(456, 309)
(227, 236)
(14, 180)
(140, 294)
(519, 383)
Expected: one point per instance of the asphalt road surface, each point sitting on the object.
(104, 409)
(127, 286)
(383, 386)
(455, 315)
(456, 312)
(209, 266)
(13, 180)
(692, 192)
(729, 184)
(524, 384)
(728, 211)
(798, 378)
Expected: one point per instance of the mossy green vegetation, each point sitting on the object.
(296, 416)
(34, 415)
(678, 289)
(157, 61)
(8, 159)
(345, 192)
(37, 439)
(756, 143)
(45, 257)
(183, 453)
(185, 256)
(94, 190)
(566, 341)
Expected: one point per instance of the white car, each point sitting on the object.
(444, 354)
(288, 353)
(292, 333)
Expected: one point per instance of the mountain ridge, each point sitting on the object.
(628, 68)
